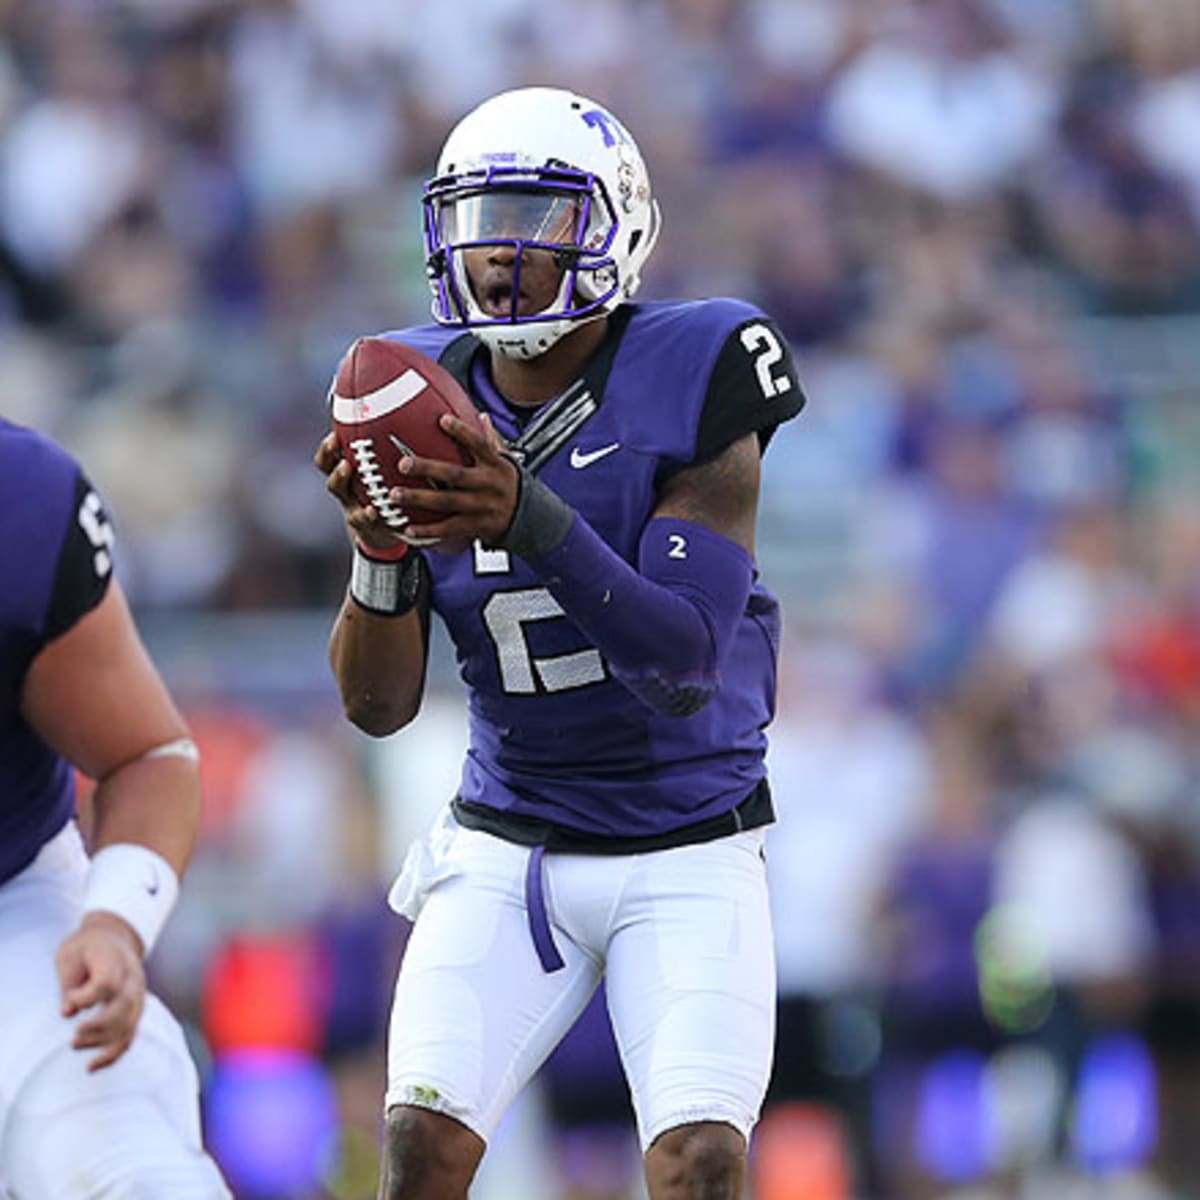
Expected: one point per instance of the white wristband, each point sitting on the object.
(137, 884)
(386, 587)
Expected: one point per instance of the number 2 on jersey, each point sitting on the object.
(760, 341)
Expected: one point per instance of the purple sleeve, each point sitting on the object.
(666, 627)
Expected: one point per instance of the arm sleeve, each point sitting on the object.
(665, 627)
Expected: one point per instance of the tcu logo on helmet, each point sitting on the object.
(609, 126)
(629, 192)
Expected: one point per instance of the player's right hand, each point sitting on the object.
(363, 523)
(100, 974)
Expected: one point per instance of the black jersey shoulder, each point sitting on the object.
(722, 365)
(84, 570)
(754, 385)
(55, 537)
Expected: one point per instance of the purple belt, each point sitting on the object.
(535, 909)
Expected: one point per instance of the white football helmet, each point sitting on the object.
(539, 169)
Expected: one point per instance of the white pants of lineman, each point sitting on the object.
(681, 936)
(128, 1132)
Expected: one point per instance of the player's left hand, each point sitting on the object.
(100, 973)
(477, 501)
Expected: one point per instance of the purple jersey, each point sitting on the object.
(556, 743)
(54, 567)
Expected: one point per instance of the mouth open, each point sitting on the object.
(497, 300)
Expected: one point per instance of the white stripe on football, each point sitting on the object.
(384, 400)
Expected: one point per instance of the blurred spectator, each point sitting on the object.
(74, 153)
(1120, 226)
(592, 1131)
(1163, 49)
(958, 531)
(851, 783)
(929, 907)
(920, 102)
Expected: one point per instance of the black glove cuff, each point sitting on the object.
(541, 520)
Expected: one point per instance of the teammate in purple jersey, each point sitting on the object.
(619, 652)
(98, 1095)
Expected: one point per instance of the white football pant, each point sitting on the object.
(128, 1132)
(682, 937)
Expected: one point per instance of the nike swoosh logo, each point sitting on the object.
(580, 458)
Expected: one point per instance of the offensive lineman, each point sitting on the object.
(98, 1094)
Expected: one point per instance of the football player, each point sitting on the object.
(618, 650)
(98, 1094)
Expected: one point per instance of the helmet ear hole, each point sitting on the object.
(634, 238)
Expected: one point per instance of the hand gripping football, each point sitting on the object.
(385, 403)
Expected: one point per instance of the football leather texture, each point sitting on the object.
(385, 403)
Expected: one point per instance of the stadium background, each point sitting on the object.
(977, 222)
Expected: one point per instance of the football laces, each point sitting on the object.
(366, 464)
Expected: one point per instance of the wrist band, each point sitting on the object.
(541, 519)
(137, 884)
(386, 588)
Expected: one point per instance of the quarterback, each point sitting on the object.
(618, 651)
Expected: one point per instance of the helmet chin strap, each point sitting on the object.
(523, 341)
(513, 341)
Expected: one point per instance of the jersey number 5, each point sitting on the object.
(761, 342)
(98, 531)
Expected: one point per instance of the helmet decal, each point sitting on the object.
(626, 181)
(611, 129)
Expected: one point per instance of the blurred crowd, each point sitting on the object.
(978, 222)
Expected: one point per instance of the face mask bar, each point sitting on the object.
(472, 210)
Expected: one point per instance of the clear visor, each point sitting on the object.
(504, 214)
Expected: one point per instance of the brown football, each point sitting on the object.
(385, 402)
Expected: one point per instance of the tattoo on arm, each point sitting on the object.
(720, 494)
